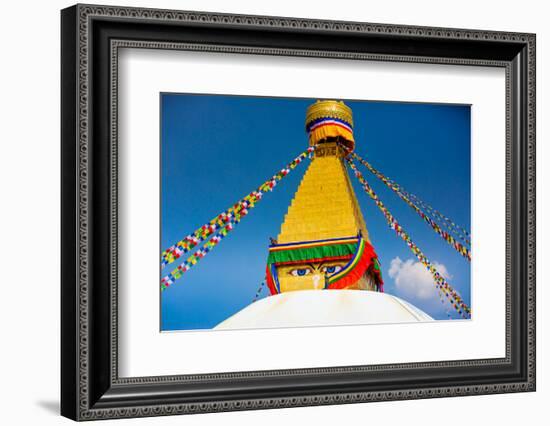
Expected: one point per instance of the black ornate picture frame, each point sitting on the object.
(90, 38)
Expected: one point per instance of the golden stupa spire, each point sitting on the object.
(324, 220)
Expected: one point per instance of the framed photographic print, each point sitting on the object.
(266, 212)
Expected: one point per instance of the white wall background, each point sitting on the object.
(29, 211)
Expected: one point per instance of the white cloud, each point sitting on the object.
(413, 281)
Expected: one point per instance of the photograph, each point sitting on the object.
(284, 212)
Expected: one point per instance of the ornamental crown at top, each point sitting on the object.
(329, 109)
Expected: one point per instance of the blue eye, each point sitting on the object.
(300, 272)
(332, 269)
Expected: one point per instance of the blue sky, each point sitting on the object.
(215, 149)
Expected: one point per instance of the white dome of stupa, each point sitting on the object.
(307, 308)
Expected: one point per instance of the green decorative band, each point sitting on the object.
(302, 254)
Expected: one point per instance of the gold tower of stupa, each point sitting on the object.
(324, 219)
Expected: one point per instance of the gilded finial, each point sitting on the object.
(328, 121)
(329, 109)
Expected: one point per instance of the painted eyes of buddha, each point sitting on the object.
(325, 269)
(331, 269)
(300, 272)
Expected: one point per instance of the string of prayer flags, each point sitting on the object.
(259, 291)
(413, 201)
(457, 230)
(461, 249)
(204, 232)
(440, 282)
(230, 218)
(200, 253)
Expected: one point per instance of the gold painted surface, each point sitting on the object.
(328, 149)
(332, 109)
(324, 207)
